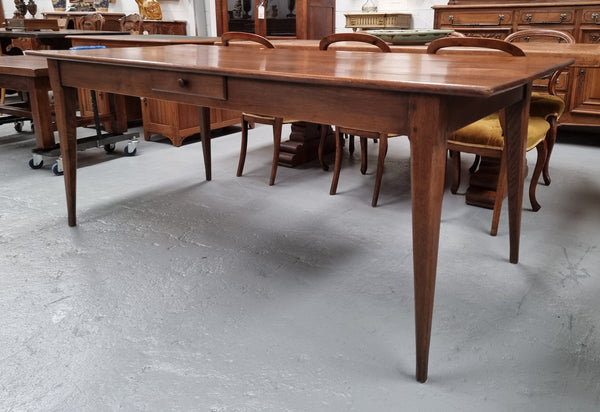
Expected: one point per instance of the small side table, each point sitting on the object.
(378, 20)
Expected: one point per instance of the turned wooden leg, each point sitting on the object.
(363, 154)
(338, 163)
(277, 125)
(550, 140)
(320, 153)
(499, 197)
(383, 142)
(455, 156)
(243, 148)
(542, 154)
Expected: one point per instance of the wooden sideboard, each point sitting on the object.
(111, 22)
(580, 84)
(376, 20)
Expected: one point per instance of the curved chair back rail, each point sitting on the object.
(540, 35)
(227, 37)
(360, 37)
(478, 42)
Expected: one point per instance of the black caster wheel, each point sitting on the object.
(129, 153)
(109, 148)
(35, 165)
(19, 126)
(56, 171)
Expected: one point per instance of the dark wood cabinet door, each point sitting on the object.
(309, 19)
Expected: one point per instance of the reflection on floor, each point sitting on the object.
(176, 294)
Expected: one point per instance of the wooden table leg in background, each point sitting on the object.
(65, 104)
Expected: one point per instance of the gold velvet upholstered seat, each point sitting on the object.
(485, 137)
(251, 118)
(544, 36)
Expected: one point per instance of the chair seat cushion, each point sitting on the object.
(546, 105)
(487, 133)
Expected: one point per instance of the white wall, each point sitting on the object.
(421, 11)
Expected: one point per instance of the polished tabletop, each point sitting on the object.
(440, 74)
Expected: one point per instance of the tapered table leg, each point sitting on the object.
(515, 140)
(428, 164)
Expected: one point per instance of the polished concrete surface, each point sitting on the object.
(177, 294)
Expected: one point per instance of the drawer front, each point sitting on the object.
(541, 85)
(562, 83)
(591, 16)
(590, 35)
(475, 18)
(549, 16)
(191, 84)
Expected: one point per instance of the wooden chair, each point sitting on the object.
(548, 36)
(540, 35)
(92, 21)
(252, 118)
(485, 136)
(340, 131)
(131, 23)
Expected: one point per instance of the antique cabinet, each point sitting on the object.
(580, 85)
(307, 19)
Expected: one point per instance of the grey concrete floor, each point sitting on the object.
(176, 294)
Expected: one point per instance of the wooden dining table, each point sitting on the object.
(423, 96)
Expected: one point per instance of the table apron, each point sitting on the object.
(367, 108)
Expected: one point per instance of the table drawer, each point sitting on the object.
(476, 18)
(541, 16)
(541, 85)
(193, 84)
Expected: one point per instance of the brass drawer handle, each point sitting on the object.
(595, 18)
(500, 20)
(529, 18)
